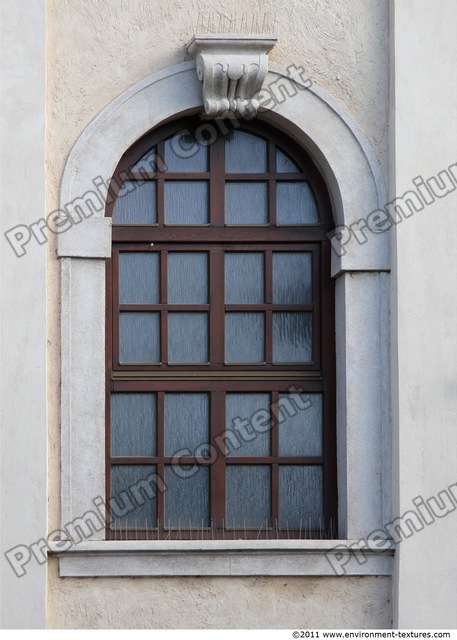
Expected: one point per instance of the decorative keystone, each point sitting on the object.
(232, 68)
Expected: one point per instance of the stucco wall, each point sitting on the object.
(224, 603)
(96, 50)
(424, 289)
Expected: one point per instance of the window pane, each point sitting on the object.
(292, 337)
(248, 496)
(244, 278)
(300, 497)
(295, 204)
(133, 424)
(187, 337)
(300, 424)
(245, 153)
(134, 489)
(252, 439)
(136, 203)
(138, 278)
(246, 203)
(186, 498)
(149, 163)
(184, 153)
(244, 337)
(284, 164)
(186, 421)
(292, 278)
(139, 337)
(188, 278)
(186, 202)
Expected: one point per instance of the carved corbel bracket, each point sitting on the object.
(232, 68)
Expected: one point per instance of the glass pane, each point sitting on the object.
(284, 164)
(292, 278)
(139, 337)
(292, 337)
(300, 497)
(295, 204)
(186, 422)
(245, 153)
(248, 420)
(136, 203)
(188, 278)
(187, 337)
(138, 278)
(186, 202)
(246, 203)
(133, 491)
(183, 152)
(186, 498)
(133, 424)
(248, 497)
(244, 337)
(149, 163)
(300, 424)
(244, 278)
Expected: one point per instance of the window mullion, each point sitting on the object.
(160, 429)
(216, 299)
(164, 300)
(217, 469)
(217, 183)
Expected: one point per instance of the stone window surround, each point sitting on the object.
(351, 171)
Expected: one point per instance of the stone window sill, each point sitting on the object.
(220, 558)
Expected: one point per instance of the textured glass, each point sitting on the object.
(136, 203)
(300, 497)
(187, 278)
(248, 497)
(245, 153)
(186, 421)
(186, 202)
(187, 337)
(186, 498)
(139, 337)
(295, 204)
(252, 436)
(138, 278)
(133, 491)
(183, 152)
(133, 424)
(244, 278)
(300, 424)
(292, 337)
(149, 163)
(244, 337)
(246, 203)
(292, 278)
(284, 164)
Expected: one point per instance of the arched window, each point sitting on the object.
(220, 338)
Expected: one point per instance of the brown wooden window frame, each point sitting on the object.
(218, 378)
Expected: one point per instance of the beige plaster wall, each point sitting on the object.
(95, 50)
(224, 603)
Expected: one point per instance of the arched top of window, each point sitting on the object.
(177, 174)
